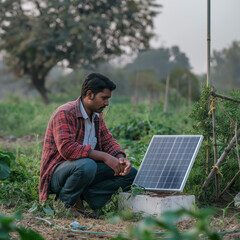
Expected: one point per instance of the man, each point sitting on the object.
(81, 160)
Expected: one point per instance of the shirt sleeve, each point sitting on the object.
(64, 132)
(109, 144)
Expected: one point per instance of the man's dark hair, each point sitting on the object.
(96, 82)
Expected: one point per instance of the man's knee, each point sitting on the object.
(85, 168)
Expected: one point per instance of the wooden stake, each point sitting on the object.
(166, 94)
(215, 147)
(238, 173)
(230, 183)
(219, 161)
(207, 157)
(237, 147)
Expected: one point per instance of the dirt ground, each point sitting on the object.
(23, 141)
(106, 229)
(93, 225)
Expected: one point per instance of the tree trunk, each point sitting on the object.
(39, 84)
(166, 94)
(189, 94)
(177, 96)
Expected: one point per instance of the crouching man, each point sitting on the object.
(81, 160)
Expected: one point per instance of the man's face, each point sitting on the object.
(100, 101)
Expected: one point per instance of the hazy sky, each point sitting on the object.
(184, 23)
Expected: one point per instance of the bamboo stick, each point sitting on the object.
(223, 97)
(237, 147)
(230, 183)
(219, 162)
(238, 173)
(207, 156)
(215, 148)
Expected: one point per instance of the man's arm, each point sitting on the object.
(64, 133)
(110, 146)
(108, 142)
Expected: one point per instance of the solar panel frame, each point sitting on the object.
(189, 166)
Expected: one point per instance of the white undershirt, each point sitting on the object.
(89, 133)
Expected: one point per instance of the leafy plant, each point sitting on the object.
(145, 230)
(135, 129)
(6, 158)
(7, 226)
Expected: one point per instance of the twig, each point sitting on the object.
(237, 148)
(229, 184)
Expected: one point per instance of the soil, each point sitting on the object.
(23, 141)
(56, 232)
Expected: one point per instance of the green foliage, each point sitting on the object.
(135, 129)
(136, 190)
(6, 158)
(227, 116)
(21, 186)
(20, 118)
(7, 226)
(203, 121)
(146, 228)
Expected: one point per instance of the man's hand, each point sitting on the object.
(126, 165)
(120, 165)
(115, 164)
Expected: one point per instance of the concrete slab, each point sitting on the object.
(155, 204)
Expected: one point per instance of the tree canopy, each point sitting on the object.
(37, 35)
(162, 60)
(225, 72)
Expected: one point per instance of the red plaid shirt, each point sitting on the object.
(63, 142)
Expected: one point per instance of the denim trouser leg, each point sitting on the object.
(105, 184)
(71, 178)
(94, 181)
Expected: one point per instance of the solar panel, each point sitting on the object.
(167, 162)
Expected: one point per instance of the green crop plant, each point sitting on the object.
(148, 228)
(6, 159)
(7, 226)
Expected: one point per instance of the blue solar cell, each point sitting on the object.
(167, 162)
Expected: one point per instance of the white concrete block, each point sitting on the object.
(155, 204)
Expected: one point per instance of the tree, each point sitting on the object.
(162, 60)
(37, 35)
(225, 72)
(145, 81)
(185, 83)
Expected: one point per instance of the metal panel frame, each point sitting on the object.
(189, 167)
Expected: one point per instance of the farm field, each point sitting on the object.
(22, 132)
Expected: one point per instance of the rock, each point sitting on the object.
(12, 139)
(237, 200)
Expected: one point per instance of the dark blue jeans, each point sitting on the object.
(92, 181)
